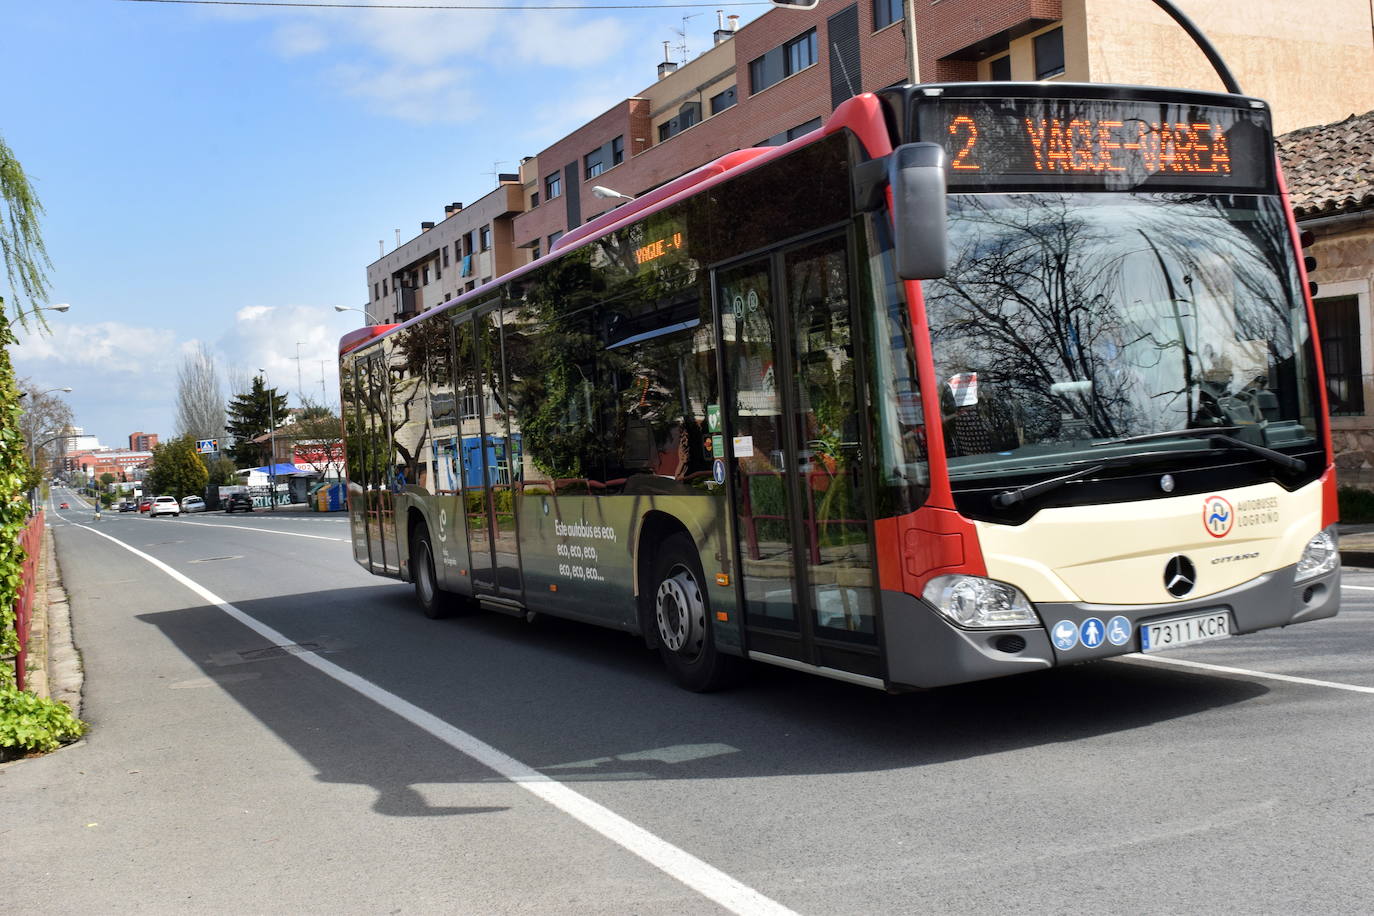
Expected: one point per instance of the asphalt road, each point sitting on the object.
(295, 736)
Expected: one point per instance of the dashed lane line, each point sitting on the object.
(696, 874)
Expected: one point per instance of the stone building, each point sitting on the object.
(1330, 172)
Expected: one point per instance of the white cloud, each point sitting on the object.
(110, 346)
(253, 312)
(566, 39)
(268, 340)
(435, 94)
(300, 39)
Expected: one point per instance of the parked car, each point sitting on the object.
(164, 505)
(238, 501)
(193, 504)
(128, 506)
(145, 505)
(64, 506)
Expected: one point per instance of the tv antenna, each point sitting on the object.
(681, 46)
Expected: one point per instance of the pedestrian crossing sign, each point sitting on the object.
(207, 446)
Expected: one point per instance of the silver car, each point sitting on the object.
(193, 504)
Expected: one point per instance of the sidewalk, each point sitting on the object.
(1357, 545)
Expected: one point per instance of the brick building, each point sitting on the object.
(142, 442)
(782, 74)
(124, 465)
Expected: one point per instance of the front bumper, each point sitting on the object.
(925, 650)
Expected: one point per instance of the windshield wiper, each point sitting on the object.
(1021, 494)
(1216, 436)
(1191, 432)
(1279, 458)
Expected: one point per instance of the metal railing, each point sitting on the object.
(31, 539)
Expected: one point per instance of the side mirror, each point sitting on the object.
(916, 173)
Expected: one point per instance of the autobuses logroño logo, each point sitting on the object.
(1218, 516)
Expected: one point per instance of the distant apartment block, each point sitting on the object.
(142, 442)
(781, 76)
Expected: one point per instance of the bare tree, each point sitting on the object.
(200, 397)
(44, 416)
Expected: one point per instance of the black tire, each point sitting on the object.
(681, 610)
(228, 510)
(434, 601)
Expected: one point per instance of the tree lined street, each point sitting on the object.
(227, 771)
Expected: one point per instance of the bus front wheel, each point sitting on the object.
(434, 601)
(681, 613)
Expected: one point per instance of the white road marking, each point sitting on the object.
(294, 534)
(1359, 588)
(705, 879)
(1310, 682)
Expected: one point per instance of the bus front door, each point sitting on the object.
(794, 444)
(383, 550)
(488, 454)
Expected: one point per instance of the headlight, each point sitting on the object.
(972, 601)
(1319, 556)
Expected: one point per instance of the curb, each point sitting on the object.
(56, 671)
(1357, 558)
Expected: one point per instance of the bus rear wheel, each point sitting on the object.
(681, 613)
(434, 601)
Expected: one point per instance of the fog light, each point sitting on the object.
(972, 601)
(1319, 556)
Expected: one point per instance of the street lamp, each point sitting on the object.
(24, 394)
(272, 440)
(609, 193)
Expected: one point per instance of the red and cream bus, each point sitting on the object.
(977, 379)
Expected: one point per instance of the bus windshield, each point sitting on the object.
(1069, 321)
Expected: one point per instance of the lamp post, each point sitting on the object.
(610, 193)
(24, 394)
(33, 460)
(272, 445)
(350, 308)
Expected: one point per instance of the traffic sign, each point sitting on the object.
(207, 446)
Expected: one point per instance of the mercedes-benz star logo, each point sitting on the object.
(1179, 576)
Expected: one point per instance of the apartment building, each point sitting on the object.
(782, 74)
(470, 246)
(142, 442)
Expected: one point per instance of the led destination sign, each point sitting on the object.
(1099, 145)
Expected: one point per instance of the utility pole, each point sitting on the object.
(300, 389)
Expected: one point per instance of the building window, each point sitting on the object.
(555, 237)
(384, 292)
(553, 186)
(999, 68)
(1049, 54)
(438, 272)
(618, 150)
(375, 294)
(723, 100)
(593, 164)
(486, 238)
(783, 61)
(534, 200)
(1338, 327)
(534, 253)
(800, 52)
(424, 273)
(886, 12)
(445, 255)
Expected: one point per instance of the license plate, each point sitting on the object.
(1184, 631)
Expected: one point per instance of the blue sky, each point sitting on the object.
(222, 175)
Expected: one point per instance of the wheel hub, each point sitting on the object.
(680, 611)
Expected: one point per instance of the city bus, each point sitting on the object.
(976, 379)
